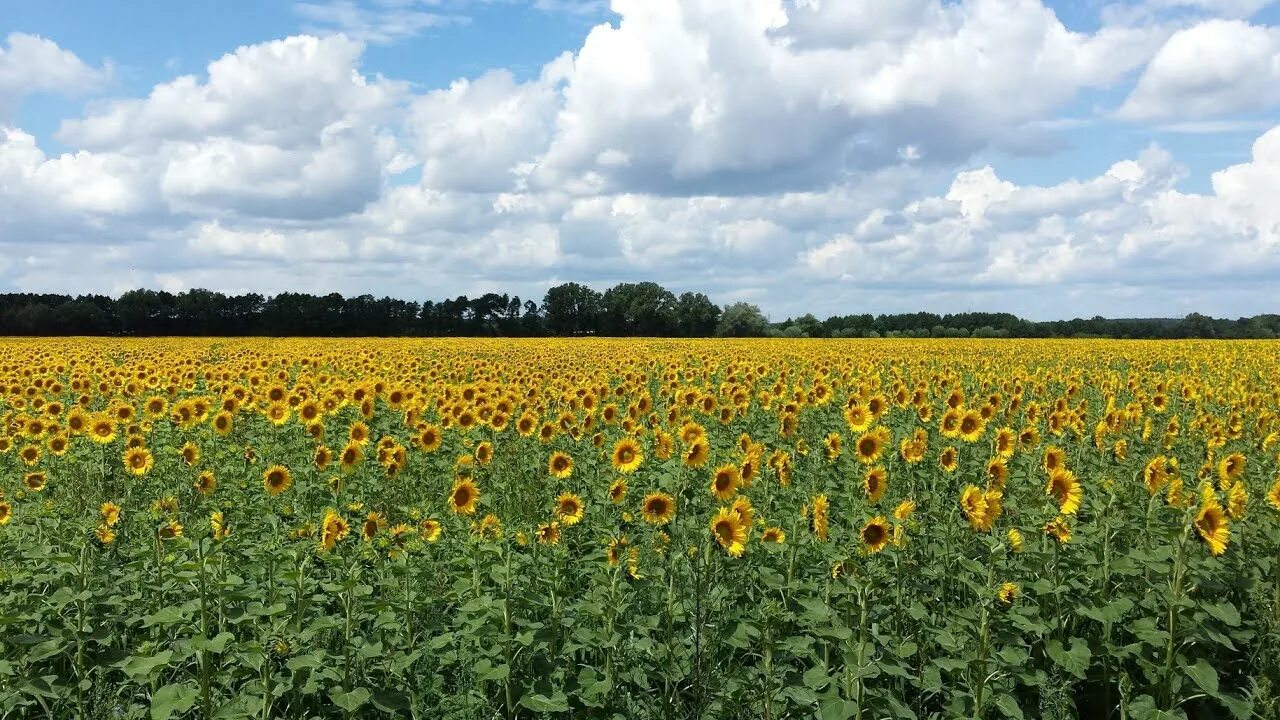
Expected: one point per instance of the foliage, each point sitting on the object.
(639, 529)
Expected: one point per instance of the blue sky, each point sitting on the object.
(1056, 159)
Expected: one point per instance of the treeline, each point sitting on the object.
(627, 309)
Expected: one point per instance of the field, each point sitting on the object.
(639, 529)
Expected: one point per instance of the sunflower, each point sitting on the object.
(58, 444)
(876, 534)
(729, 532)
(138, 461)
(858, 418)
(358, 433)
(35, 481)
(1237, 499)
(6, 512)
(971, 426)
(614, 550)
(1155, 474)
(773, 535)
(373, 522)
(560, 465)
(430, 438)
(1230, 468)
(103, 534)
(1015, 540)
(569, 508)
(206, 483)
(746, 512)
(627, 455)
(549, 533)
(997, 472)
(870, 445)
(949, 459)
(874, 483)
(322, 457)
(658, 508)
(724, 482)
(1065, 489)
(169, 530)
(102, 429)
(429, 529)
(220, 527)
(351, 456)
(974, 504)
(222, 423)
(697, 453)
(276, 479)
(463, 497)
(333, 528)
(484, 452)
(110, 513)
(832, 442)
(904, 509)
(1007, 593)
(30, 455)
(190, 454)
(487, 528)
(1212, 525)
(1055, 458)
(820, 522)
(618, 491)
(1058, 529)
(1273, 495)
(1005, 442)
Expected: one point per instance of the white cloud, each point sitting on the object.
(381, 24)
(810, 155)
(1215, 68)
(30, 64)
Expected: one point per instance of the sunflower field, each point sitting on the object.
(593, 528)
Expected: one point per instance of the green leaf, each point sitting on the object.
(1075, 660)
(350, 701)
(1007, 705)
(167, 616)
(170, 699)
(816, 677)
(139, 668)
(1225, 612)
(541, 703)
(1203, 674)
(391, 701)
(836, 709)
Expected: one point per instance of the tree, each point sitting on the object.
(572, 309)
(742, 320)
(696, 315)
(639, 309)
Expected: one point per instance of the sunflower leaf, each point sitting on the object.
(1204, 676)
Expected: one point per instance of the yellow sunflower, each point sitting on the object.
(627, 455)
(560, 465)
(463, 497)
(138, 461)
(569, 508)
(724, 482)
(1065, 489)
(658, 508)
(276, 479)
(729, 532)
(876, 534)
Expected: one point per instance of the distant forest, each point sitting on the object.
(628, 309)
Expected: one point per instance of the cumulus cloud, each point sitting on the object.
(1127, 228)
(1214, 68)
(30, 64)
(809, 155)
(789, 95)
